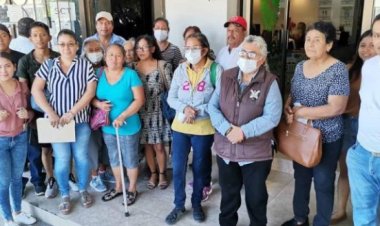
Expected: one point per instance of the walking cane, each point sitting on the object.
(126, 213)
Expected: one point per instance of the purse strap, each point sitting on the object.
(160, 66)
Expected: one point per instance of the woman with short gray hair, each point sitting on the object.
(244, 109)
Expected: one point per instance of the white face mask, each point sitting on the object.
(161, 35)
(193, 56)
(247, 65)
(95, 57)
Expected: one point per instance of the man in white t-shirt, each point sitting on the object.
(236, 31)
(22, 43)
(363, 159)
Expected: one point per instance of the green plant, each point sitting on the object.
(269, 13)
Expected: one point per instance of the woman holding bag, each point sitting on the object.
(121, 93)
(156, 76)
(319, 92)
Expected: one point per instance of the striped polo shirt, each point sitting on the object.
(172, 54)
(66, 90)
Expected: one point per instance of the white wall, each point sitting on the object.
(208, 15)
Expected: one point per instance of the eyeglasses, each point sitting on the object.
(247, 54)
(142, 48)
(192, 48)
(70, 44)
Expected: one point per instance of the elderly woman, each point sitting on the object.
(120, 92)
(130, 55)
(244, 109)
(191, 89)
(319, 92)
(93, 52)
(67, 104)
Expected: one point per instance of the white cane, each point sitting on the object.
(126, 213)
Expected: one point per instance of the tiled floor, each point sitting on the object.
(152, 206)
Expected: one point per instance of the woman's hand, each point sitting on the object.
(190, 112)
(189, 120)
(66, 118)
(236, 135)
(3, 115)
(119, 122)
(104, 105)
(22, 113)
(54, 119)
(289, 113)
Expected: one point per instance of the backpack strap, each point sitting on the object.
(213, 73)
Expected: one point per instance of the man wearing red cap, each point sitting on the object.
(104, 30)
(236, 31)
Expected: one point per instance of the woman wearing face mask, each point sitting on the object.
(244, 109)
(93, 52)
(169, 51)
(156, 76)
(191, 89)
(365, 51)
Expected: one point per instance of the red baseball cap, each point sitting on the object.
(237, 20)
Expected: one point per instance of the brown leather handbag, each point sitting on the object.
(300, 142)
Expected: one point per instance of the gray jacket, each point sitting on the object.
(181, 93)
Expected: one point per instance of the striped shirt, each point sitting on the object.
(173, 55)
(67, 90)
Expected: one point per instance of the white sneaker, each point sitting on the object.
(11, 223)
(23, 218)
(51, 188)
(97, 184)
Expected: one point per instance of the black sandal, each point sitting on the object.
(131, 197)
(111, 195)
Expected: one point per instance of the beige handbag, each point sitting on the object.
(300, 142)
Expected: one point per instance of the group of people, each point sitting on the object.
(231, 102)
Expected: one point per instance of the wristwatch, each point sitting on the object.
(228, 131)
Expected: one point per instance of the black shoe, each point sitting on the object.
(198, 214)
(174, 216)
(293, 222)
(40, 189)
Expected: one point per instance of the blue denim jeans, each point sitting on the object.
(324, 178)
(77, 149)
(13, 152)
(350, 132)
(35, 163)
(181, 146)
(129, 147)
(364, 174)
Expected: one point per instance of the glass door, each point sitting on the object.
(283, 25)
